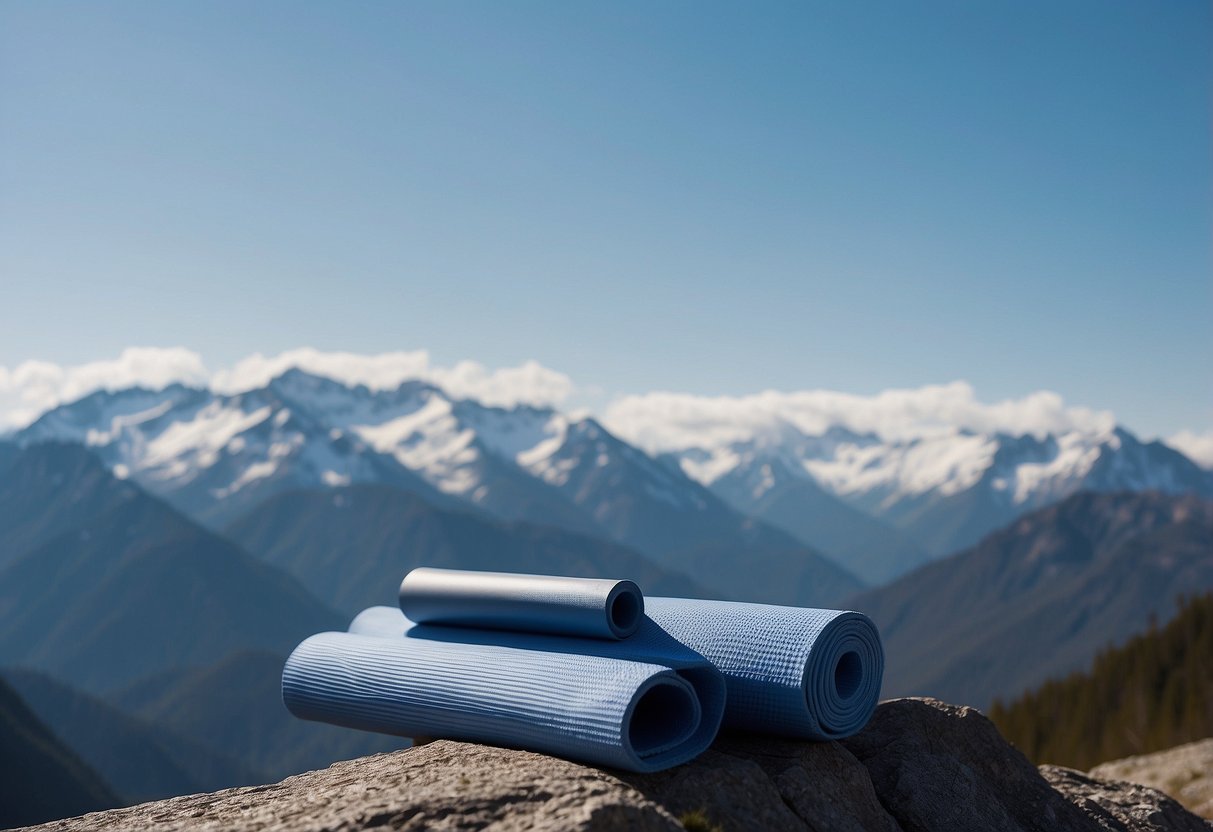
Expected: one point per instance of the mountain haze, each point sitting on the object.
(127, 586)
(1039, 598)
(234, 707)
(879, 484)
(351, 546)
(140, 760)
(219, 456)
(1151, 693)
(43, 779)
(915, 497)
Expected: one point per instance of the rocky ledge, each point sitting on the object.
(920, 765)
(1184, 772)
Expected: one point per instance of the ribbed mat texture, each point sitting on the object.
(646, 702)
(543, 693)
(805, 673)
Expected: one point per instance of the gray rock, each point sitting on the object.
(1117, 805)
(1184, 772)
(939, 767)
(920, 765)
(443, 785)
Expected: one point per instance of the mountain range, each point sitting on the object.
(218, 457)
(102, 584)
(351, 545)
(844, 506)
(933, 493)
(1040, 597)
(162, 550)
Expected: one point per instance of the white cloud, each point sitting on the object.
(1196, 446)
(657, 421)
(529, 383)
(675, 421)
(33, 387)
(378, 372)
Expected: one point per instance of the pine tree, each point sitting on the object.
(1154, 692)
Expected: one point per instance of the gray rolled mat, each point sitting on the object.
(798, 672)
(596, 608)
(641, 704)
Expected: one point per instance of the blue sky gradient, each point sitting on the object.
(715, 198)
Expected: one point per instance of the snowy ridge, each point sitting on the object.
(1028, 471)
(217, 454)
(923, 483)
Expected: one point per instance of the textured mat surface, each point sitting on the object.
(806, 673)
(642, 704)
(651, 700)
(797, 672)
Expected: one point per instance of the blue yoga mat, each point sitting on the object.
(799, 672)
(804, 673)
(641, 704)
(644, 702)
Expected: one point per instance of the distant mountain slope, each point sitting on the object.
(212, 456)
(139, 760)
(943, 487)
(351, 546)
(793, 501)
(235, 707)
(1039, 598)
(1153, 692)
(48, 490)
(219, 456)
(8, 452)
(43, 779)
(657, 509)
(131, 590)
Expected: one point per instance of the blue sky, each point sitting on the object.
(682, 196)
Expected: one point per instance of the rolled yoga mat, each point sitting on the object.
(597, 608)
(798, 672)
(806, 673)
(641, 704)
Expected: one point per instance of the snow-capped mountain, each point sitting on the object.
(944, 489)
(217, 456)
(879, 501)
(214, 455)
(771, 488)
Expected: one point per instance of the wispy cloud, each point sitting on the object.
(657, 421)
(674, 421)
(33, 387)
(1196, 446)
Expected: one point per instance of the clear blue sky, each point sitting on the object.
(687, 196)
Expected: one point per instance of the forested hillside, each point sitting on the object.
(1154, 692)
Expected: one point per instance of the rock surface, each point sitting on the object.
(919, 765)
(1185, 772)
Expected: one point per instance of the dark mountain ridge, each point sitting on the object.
(351, 546)
(218, 456)
(1039, 598)
(128, 586)
(43, 779)
(139, 759)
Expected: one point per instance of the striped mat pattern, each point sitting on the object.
(562, 666)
